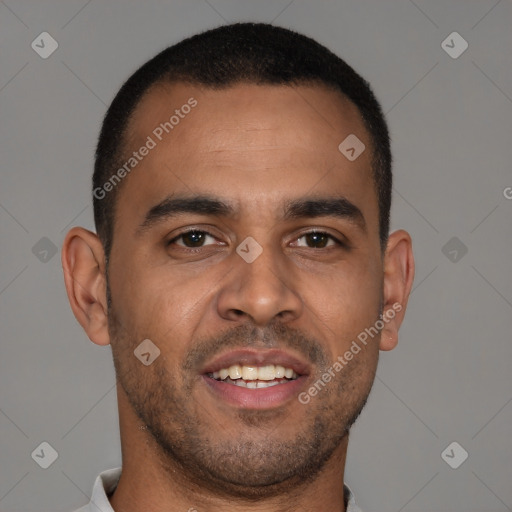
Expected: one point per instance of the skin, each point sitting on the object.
(256, 146)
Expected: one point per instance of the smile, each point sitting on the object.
(254, 377)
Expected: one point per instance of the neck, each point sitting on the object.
(151, 481)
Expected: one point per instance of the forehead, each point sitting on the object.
(237, 110)
(255, 144)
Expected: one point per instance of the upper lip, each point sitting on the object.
(253, 357)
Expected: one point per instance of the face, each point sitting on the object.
(267, 280)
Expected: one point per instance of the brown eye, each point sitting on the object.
(317, 240)
(191, 239)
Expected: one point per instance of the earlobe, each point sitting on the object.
(83, 264)
(398, 279)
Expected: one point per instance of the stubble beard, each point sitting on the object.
(267, 457)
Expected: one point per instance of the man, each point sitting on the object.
(242, 272)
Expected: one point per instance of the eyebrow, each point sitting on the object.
(307, 207)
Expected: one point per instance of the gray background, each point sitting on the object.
(451, 126)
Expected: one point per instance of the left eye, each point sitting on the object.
(317, 240)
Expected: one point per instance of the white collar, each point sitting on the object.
(106, 482)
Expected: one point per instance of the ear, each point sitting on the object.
(83, 263)
(398, 279)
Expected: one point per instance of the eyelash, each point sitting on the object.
(313, 231)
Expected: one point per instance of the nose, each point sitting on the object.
(262, 290)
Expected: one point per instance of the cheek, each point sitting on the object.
(342, 307)
(348, 297)
(161, 302)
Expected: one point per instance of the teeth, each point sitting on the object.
(252, 373)
(249, 372)
(267, 384)
(254, 384)
(235, 372)
(279, 371)
(267, 372)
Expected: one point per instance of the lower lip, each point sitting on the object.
(258, 398)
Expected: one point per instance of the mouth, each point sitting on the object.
(256, 379)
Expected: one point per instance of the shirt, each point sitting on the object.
(106, 483)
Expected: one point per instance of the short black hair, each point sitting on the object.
(256, 53)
